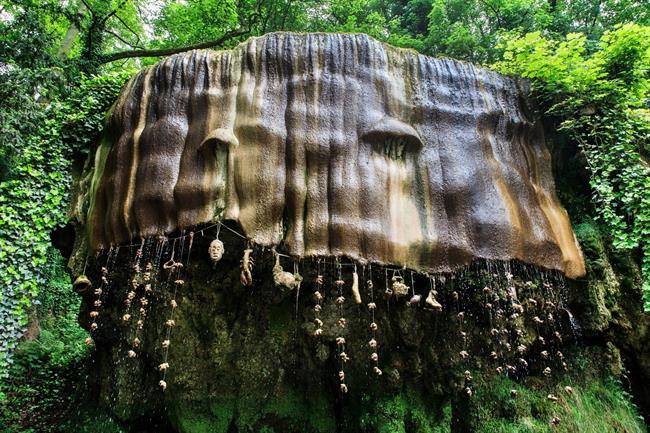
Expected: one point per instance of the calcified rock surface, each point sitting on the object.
(333, 145)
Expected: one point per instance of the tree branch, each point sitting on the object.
(137, 36)
(113, 12)
(121, 39)
(494, 10)
(169, 51)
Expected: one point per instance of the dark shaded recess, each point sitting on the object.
(63, 239)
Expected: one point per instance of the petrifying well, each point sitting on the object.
(332, 144)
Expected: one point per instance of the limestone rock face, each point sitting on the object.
(333, 145)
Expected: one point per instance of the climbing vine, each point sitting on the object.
(599, 91)
(44, 128)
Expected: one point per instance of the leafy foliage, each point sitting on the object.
(40, 140)
(475, 30)
(47, 381)
(600, 97)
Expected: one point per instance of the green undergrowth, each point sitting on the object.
(46, 389)
(597, 403)
(597, 407)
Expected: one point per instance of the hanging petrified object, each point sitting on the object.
(297, 278)
(356, 295)
(342, 323)
(372, 344)
(398, 287)
(469, 386)
(82, 284)
(131, 294)
(318, 298)
(282, 278)
(216, 250)
(415, 299)
(246, 276)
(170, 322)
(431, 302)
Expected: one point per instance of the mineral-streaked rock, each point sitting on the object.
(365, 150)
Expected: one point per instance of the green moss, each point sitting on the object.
(303, 413)
(197, 422)
(200, 417)
(600, 294)
(222, 411)
(593, 248)
(280, 319)
(408, 411)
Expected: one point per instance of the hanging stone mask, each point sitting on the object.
(216, 250)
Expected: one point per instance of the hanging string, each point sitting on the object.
(131, 293)
(98, 292)
(342, 323)
(174, 273)
(388, 292)
(372, 344)
(217, 224)
(150, 284)
(318, 297)
(297, 276)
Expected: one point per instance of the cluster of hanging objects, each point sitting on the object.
(158, 273)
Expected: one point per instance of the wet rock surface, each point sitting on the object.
(331, 144)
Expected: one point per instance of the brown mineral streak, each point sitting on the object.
(333, 145)
(128, 200)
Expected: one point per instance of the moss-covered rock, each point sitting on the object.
(608, 306)
(244, 359)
